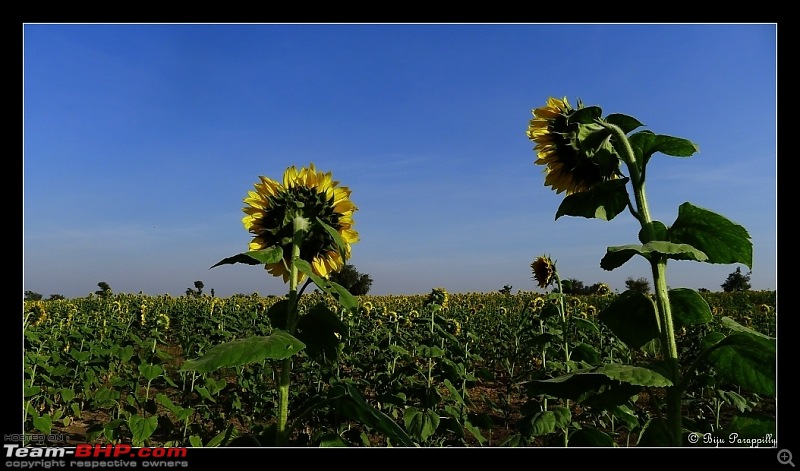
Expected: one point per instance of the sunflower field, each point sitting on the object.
(434, 370)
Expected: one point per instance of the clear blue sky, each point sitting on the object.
(141, 140)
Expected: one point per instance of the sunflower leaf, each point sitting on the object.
(617, 256)
(604, 201)
(276, 346)
(689, 307)
(720, 239)
(624, 122)
(647, 143)
(254, 257)
(745, 360)
(632, 318)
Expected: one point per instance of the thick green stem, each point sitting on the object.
(286, 366)
(658, 266)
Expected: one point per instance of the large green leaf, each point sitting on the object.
(604, 201)
(603, 387)
(637, 375)
(150, 372)
(688, 307)
(280, 344)
(735, 326)
(142, 428)
(647, 143)
(419, 423)
(254, 257)
(632, 318)
(745, 360)
(617, 256)
(43, 423)
(720, 239)
(539, 424)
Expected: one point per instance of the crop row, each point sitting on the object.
(108, 369)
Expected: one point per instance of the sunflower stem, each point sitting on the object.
(291, 324)
(658, 265)
(565, 339)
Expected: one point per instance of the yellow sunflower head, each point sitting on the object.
(308, 194)
(437, 296)
(544, 271)
(576, 154)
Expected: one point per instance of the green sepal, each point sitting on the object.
(254, 257)
(720, 239)
(276, 346)
(632, 318)
(618, 256)
(586, 115)
(603, 201)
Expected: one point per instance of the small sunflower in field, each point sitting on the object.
(273, 210)
(602, 289)
(438, 296)
(573, 162)
(455, 326)
(544, 271)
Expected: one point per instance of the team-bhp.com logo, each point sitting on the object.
(93, 456)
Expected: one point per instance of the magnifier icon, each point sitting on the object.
(785, 457)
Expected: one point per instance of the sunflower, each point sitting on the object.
(438, 296)
(572, 164)
(309, 194)
(543, 271)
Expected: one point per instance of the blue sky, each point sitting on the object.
(141, 140)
